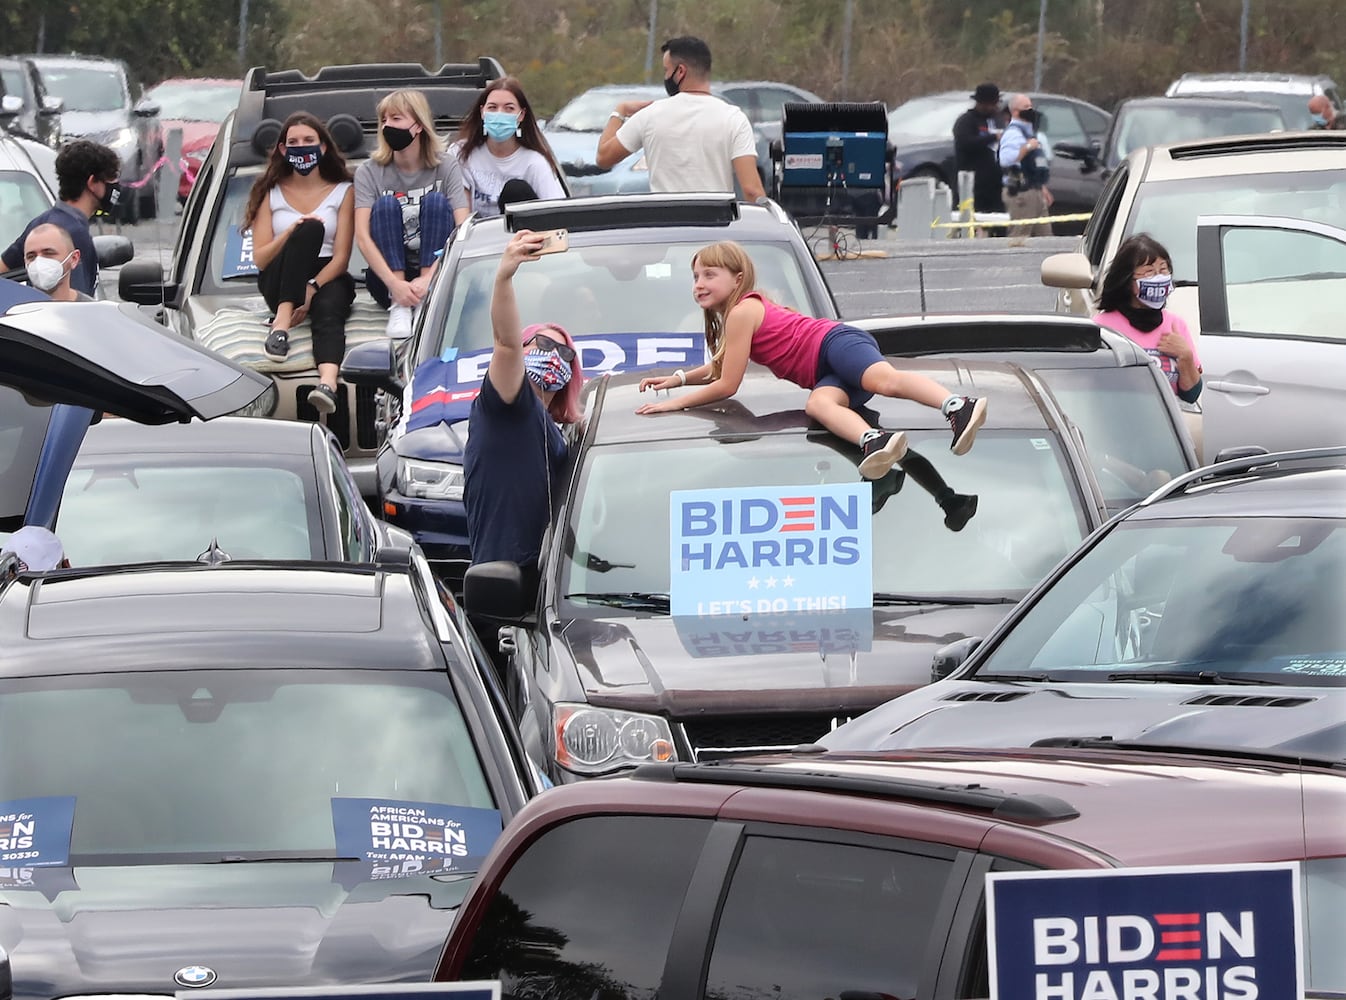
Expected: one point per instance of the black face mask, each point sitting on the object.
(112, 193)
(397, 139)
(1029, 115)
(671, 83)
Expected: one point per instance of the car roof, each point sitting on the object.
(1285, 83)
(1272, 152)
(14, 157)
(1101, 802)
(73, 59)
(1196, 100)
(1309, 483)
(228, 616)
(208, 81)
(222, 435)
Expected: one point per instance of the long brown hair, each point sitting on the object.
(473, 136)
(733, 258)
(331, 165)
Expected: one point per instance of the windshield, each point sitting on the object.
(1143, 125)
(1026, 519)
(85, 88)
(927, 116)
(195, 101)
(171, 507)
(233, 761)
(1294, 107)
(1168, 210)
(1133, 444)
(1258, 597)
(21, 199)
(617, 288)
(590, 111)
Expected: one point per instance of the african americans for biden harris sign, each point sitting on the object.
(770, 549)
(1216, 932)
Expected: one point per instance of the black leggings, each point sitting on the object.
(285, 280)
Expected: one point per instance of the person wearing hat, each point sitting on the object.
(36, 549)
(976, 135)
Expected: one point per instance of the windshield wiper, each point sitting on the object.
(1029, 678)
(881, 600)
(632, 600)
(1186, 677)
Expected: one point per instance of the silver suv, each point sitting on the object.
(1289, 91)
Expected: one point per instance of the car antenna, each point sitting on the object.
(920, 279)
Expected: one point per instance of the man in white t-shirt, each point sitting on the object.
(693, 141)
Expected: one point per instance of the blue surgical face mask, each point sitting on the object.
(1320, 121)
(500, 125)
(1154, 292)
(546, 370)
(304, 159)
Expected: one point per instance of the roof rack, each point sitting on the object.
(1271, 142)
(1238, 466)
(997, 803)
(912, 336)
(624, 211)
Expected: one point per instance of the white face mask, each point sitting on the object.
(44, 274)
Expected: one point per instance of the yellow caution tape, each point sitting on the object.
(965, 206)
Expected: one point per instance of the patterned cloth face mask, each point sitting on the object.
(1154, 292)
(546, 370)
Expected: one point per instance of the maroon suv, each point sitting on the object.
(810, 875)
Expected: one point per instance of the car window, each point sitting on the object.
(11, 77)
(614, 288)
(1095, 122)
(590, 111)
(22, 197)
(763, 104)
(808, 919)
(355, 543)
(1132, 443)
(1280, 281)
(148, 508)
(924, 117)
(214, 750)
(1168, 210)
(87, 88)
(1140, 126)
(1061, 124)
(1253, 596)
(1105, 214)
(588, 909)
(1027, 519)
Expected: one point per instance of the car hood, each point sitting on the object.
(93, 123)
(96, 357)
(844, 661)
(440, 442)
(983, 713)
(129, 929)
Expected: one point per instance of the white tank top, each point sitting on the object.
(283, 215)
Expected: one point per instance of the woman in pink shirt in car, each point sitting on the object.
(840, 363)
(1137, 285)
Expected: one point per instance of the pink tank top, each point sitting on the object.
(788, 342)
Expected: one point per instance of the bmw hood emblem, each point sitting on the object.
(194, 975)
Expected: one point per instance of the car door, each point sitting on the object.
(1273, 344)
(1075, 184)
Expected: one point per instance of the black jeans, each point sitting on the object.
(285, 279)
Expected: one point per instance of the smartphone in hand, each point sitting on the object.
(555, 241)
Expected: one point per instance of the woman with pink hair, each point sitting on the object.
(515, 452)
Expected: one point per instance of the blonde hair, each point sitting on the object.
(732, 257)
(413, 104)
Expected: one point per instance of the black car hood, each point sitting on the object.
(829, 661)
(1301, 719)
(129, 929)
(435, 443)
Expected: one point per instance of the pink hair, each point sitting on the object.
(565, 404)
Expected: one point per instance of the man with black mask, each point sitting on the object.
(1025, 164)
(693, 141)
(87, 175)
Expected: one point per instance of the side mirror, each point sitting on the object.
(1239, 451)
(52, 106)
(1067, 270)
(10, 105)
(1071, 150)
(494, 590)
(373, 365)
(949, 658)
(142, 282)
(146, 109)
(113, 250)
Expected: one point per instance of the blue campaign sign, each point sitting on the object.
(442, 388)
(36, 832)
(1208, 932)
(823, 633)
(237, 261)
(399, 839)
(770, 549)
(484, 989)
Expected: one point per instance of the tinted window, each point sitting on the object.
(1105, 212)
(1095, 122)
(1060, 123)
(350, 523)
(806, 919)
(588, 909)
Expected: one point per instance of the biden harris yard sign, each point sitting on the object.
(770, 549)
(1206, 932)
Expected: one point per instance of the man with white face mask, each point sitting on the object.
(50, 257)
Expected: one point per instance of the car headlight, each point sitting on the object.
(263, 406)
(123, 138)
(429, 480)
(591, 740)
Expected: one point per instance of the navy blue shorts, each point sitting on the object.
(845, 354)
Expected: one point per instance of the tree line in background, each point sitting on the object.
(1099, 50)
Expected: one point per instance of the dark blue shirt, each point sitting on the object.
(74, 222)
(512, 471)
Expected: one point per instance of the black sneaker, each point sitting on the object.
(965, 420)
(277, 345)
(882, 453)
(958, 510)
(322, 398)
(887, 485)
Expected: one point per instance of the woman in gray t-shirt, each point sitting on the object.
(408, 198)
